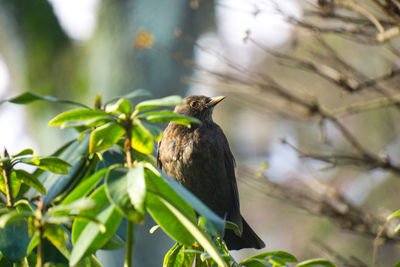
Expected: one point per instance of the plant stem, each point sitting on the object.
(130, 234)
(40, 252)
(40, 229)
(7, 182)
(130, 227)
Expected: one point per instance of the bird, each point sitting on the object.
(200, 159)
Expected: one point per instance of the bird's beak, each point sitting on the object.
(215, 100)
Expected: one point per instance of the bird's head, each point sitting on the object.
(199, 106)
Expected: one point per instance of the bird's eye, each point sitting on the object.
(194, 104)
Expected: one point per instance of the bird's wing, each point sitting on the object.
(159, 164)
(230, 171)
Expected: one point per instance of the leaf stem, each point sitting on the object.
(7, 182)
(130, 234)
(40, 230)
(130, 227)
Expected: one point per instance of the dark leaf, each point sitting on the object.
(28, 97)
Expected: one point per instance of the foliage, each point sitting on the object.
(76, 200)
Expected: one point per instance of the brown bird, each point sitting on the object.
(200, 159)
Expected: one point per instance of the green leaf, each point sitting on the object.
(28, 97)
(122, 106)
(233, 226)
(161, 214)
(115, 242)
(136, 187)
(161, 102)
(316, 263)
(91, 238)
(27, 151)
(80, 204)
(56, 234)
(87, 125)
(100, 197)
(214, 223)
(23, 205)
(254, 262)
(78, 115)
(12, 216)
(393, 215)
(85, 187)
(54, 164)
(131, 95)
(14, 240)
(30, 180)
(118, 183)
(142, 139)
(82, 165)
(155, 131)
(204, 240)
(282, 255)
(105, 137)
(15, 184)
(167, 116)
(177, 257)
(170, 257)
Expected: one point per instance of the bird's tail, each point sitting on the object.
(249, 238)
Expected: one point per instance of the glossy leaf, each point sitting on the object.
(78, 115)
(85, 187)
(12, 216)
(136, 187)
(91, 238)
(52, 164)
(204, 240)
(161, 102)
(177, 257)
(25, 152)
(30, 180)
(142, 139)
(28, 97)
(254, 262)
(122, 106)
(161, 214)
(57, 185)
(169, 258)
(117, 184)
(23, 205)
(14, 240)
(105, 137)
(100, 197)
(214, 223)
(167, 116)
(56, 234)
(316, 263)
(80, 204)
(154, 130)
(15, 184)
(282, 255)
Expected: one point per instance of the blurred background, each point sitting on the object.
(311, 110)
